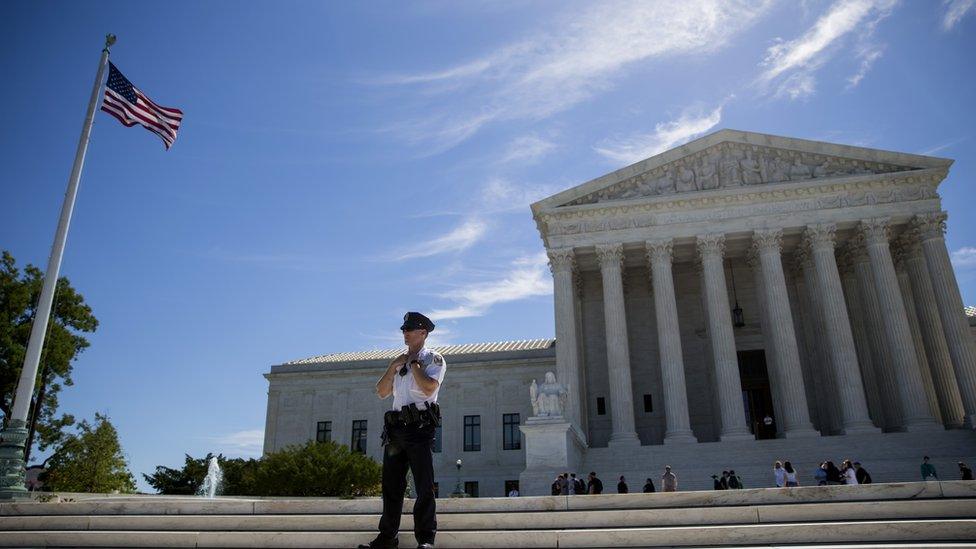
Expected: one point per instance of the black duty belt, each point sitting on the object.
(411, 415)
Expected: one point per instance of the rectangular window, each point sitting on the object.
(437, 439)
(323, 433)
(358, 436)
(648, 404)
(471, 488)
(601, 406)
(472, 434)
(510, 485)
(511, 436)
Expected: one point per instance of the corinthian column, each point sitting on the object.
(962, 348)
(797, 417)
(923, 362)
(769, 343)
(861, 341)
(669, 344)
(884, 372)
(561, 263)
(728, 386)
(933, 336)
(611, 258)
(898, 336)
(840, 341)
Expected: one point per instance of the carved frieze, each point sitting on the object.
(735, 165)
(764, 201)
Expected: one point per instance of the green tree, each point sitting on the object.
(71, 316)
(317, 469)
(314, 469)
(185, 481)
(237, 475)
(90, 461)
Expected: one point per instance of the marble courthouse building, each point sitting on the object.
(736, 300)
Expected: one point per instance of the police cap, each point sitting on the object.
(412, 321)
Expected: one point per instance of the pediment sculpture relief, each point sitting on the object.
(735, 165)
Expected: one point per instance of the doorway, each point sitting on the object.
(756, 396)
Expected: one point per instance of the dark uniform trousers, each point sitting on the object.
(409, 446)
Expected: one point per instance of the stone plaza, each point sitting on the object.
(736, 300)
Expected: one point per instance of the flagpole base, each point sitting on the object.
(13, 472)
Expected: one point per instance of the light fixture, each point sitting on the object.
(737, 318)
(458, 491)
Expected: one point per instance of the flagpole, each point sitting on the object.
(12, 466)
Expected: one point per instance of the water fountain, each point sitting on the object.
(211, 482)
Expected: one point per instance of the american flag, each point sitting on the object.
(127, 103)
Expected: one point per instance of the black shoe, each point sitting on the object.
(380, 544)
(426, 546)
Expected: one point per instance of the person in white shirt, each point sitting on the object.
(779, 474)
(414, 379)
(850, 473)
(513, 493)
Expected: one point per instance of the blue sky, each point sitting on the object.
(340, 164)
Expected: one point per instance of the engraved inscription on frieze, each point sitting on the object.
(735, 165)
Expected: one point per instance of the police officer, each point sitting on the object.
(414, 379)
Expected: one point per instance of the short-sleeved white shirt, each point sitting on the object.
(405, 388)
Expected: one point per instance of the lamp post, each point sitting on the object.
(458, 491)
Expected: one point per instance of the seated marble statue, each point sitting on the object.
(548, 399)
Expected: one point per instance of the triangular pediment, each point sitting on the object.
(730, 159)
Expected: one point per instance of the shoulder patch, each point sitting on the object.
(438, 359)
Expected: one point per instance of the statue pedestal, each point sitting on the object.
(552, 446)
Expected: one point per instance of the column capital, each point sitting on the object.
(610, 255)
(767, 240)
(874, 230)
(709, 245)
(659, 250)
(930, 226)
(820, 236)
(561, 259)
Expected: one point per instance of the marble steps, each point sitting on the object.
(755, 535)
(892, 514)
(101, 504)
(523, 520)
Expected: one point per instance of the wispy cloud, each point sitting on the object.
(249, 443)
(956, 10)
(964, 257)
(580, 55)
(867, 55)
(527, 277)
(500, 194)
(942, 146)
(460, 238)
(527, 148)
(692, 123)
(789, 67)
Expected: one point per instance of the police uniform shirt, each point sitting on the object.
(405, 388)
